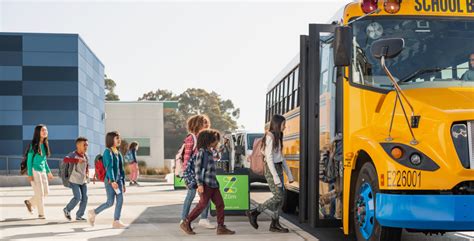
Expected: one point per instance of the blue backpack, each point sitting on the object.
(189, 174)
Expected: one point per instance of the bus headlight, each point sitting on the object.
(415, 159)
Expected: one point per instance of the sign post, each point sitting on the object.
(235, 190)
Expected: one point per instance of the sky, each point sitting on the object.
(234, 48)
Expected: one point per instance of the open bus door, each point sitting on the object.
(321, 123)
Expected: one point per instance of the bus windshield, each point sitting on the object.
(437, 52)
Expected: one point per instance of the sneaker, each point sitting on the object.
(186, 227)
(41, 217)
(118, 225)
(67, 214)
(28, 206)
(81, 219)
(91, 217)
(131, 184)
(223, 230)
(205, 223)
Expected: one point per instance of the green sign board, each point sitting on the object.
(235, 192)
(179, 183)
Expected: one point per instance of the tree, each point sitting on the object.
(222, 113)
(110, 87)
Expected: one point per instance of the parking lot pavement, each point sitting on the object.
(152, 211)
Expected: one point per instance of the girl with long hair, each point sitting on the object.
(134, 172)
(275, 165)
(114, 180)
(195, 125)
(38, 170)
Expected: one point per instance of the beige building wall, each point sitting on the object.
(139, 120)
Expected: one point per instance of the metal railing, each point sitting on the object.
(10, 165)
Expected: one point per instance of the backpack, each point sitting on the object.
(24, 161)
(179, 158)
(128, 156)
(99, 168)
(257, 158)
(65, 170)
(189, 174)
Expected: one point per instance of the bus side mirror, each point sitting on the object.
(387, 48)
(342, 46)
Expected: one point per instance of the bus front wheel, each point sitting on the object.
(365, 224)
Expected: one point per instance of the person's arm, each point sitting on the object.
(197, 168)
(70, 159)
(29, 162)
(269, 158)
(134, 155)
(287, 171)
(48, 171)
(107, 159)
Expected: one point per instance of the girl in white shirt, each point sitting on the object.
(275, 165)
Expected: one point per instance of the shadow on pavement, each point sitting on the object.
(48, 234)
(168, 215)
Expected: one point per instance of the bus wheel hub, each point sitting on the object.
(365, 212)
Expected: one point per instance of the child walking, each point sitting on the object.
(114, 180)
(132, 157)
(38, 170)
(208, 187)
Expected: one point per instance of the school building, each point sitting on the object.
(51, 79)
(141, 121)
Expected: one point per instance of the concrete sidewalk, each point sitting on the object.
(152, 211)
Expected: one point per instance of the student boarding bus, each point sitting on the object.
(380, 119)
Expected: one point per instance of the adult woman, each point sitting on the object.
(114, 180)
(38, 169)
(275, 164)
(132, 156)
(195, 124)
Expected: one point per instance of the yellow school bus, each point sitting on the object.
(380, 119)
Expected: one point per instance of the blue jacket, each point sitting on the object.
(113, 166)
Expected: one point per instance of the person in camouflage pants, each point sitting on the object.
(275, 164)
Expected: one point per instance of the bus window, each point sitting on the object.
(330, 185)
(435, 53)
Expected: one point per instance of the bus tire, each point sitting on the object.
(365, 224)
(290, 202)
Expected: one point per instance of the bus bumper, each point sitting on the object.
(426, 212)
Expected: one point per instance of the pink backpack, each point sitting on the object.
(257, 158)
(178, 164)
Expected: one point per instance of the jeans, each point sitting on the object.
(188, 201)
(111, 195)
(80, 195)
(213, 194)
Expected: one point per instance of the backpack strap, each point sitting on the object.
(194, 141)
(204, 163)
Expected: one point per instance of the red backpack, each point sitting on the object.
(257, 158)
(99, 168)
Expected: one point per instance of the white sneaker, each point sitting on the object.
(91, 217)
(118, 225)
(205, 223)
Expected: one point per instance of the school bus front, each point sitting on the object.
(408, 155)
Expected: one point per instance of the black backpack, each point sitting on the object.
(24, 161)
